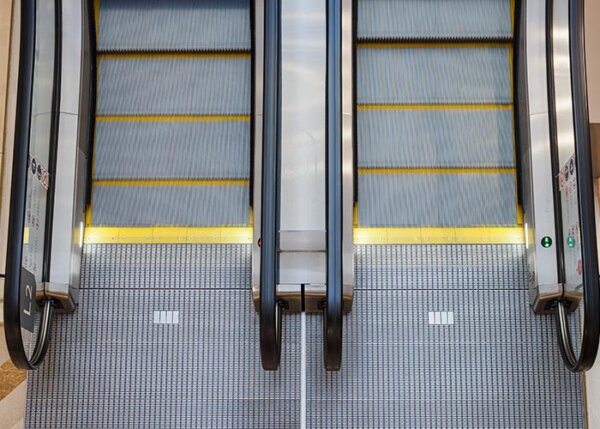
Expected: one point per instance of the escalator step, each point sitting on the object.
(433, 75)
(170, 205)
(434, 19)
(430, 267)
(173, 85)
(208, 266)
(492, 364)
(166, 149)
(118, 363)
(431, 199)
(454, 137)
(175, 25)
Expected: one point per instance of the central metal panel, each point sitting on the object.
(302, 208)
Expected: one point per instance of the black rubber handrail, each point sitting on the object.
(269, 306)
(334, 304)
(585, 187)
(12, 287)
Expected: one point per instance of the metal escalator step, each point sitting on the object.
(435, 138)
(167, 205)
(187, 85)
(123, 266)
(431, 267)
(172, 149)
(433, 75)
(434, 19)
(430, 199)
(486, 361)
(174, 25)
(164, 359)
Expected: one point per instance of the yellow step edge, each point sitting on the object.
(97, 18)
(433, 45)
(492, 106)
(173, 118)
(172, 55)
(512, 16)
(168, 235)
(185, 182)
(492, 235)
(496, 170)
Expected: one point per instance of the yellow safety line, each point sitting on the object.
(493, 106)
(168, 235)
(512, 16)
(97, 18)
(171, 55)
(243, 235)
(172, 118)
(88, 215)
(519, 211)
(519, 214)
(431, 45)
(487, 235)
(168, 182)
(462, 170)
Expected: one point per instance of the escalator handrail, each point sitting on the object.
(333, 311)
(17, 208)
(269, 307)
(585, 188)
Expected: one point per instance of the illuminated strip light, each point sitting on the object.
(168, 235)
(491, 235)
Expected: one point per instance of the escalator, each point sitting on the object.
(164, 314)
(441, 309)
(402, 159)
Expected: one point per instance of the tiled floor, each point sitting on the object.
(12, 390)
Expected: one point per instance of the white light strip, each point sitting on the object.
(166, 317)
(441, 317)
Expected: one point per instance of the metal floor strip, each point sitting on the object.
(140, 352)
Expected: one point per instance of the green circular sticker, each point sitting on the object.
(546, 242)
